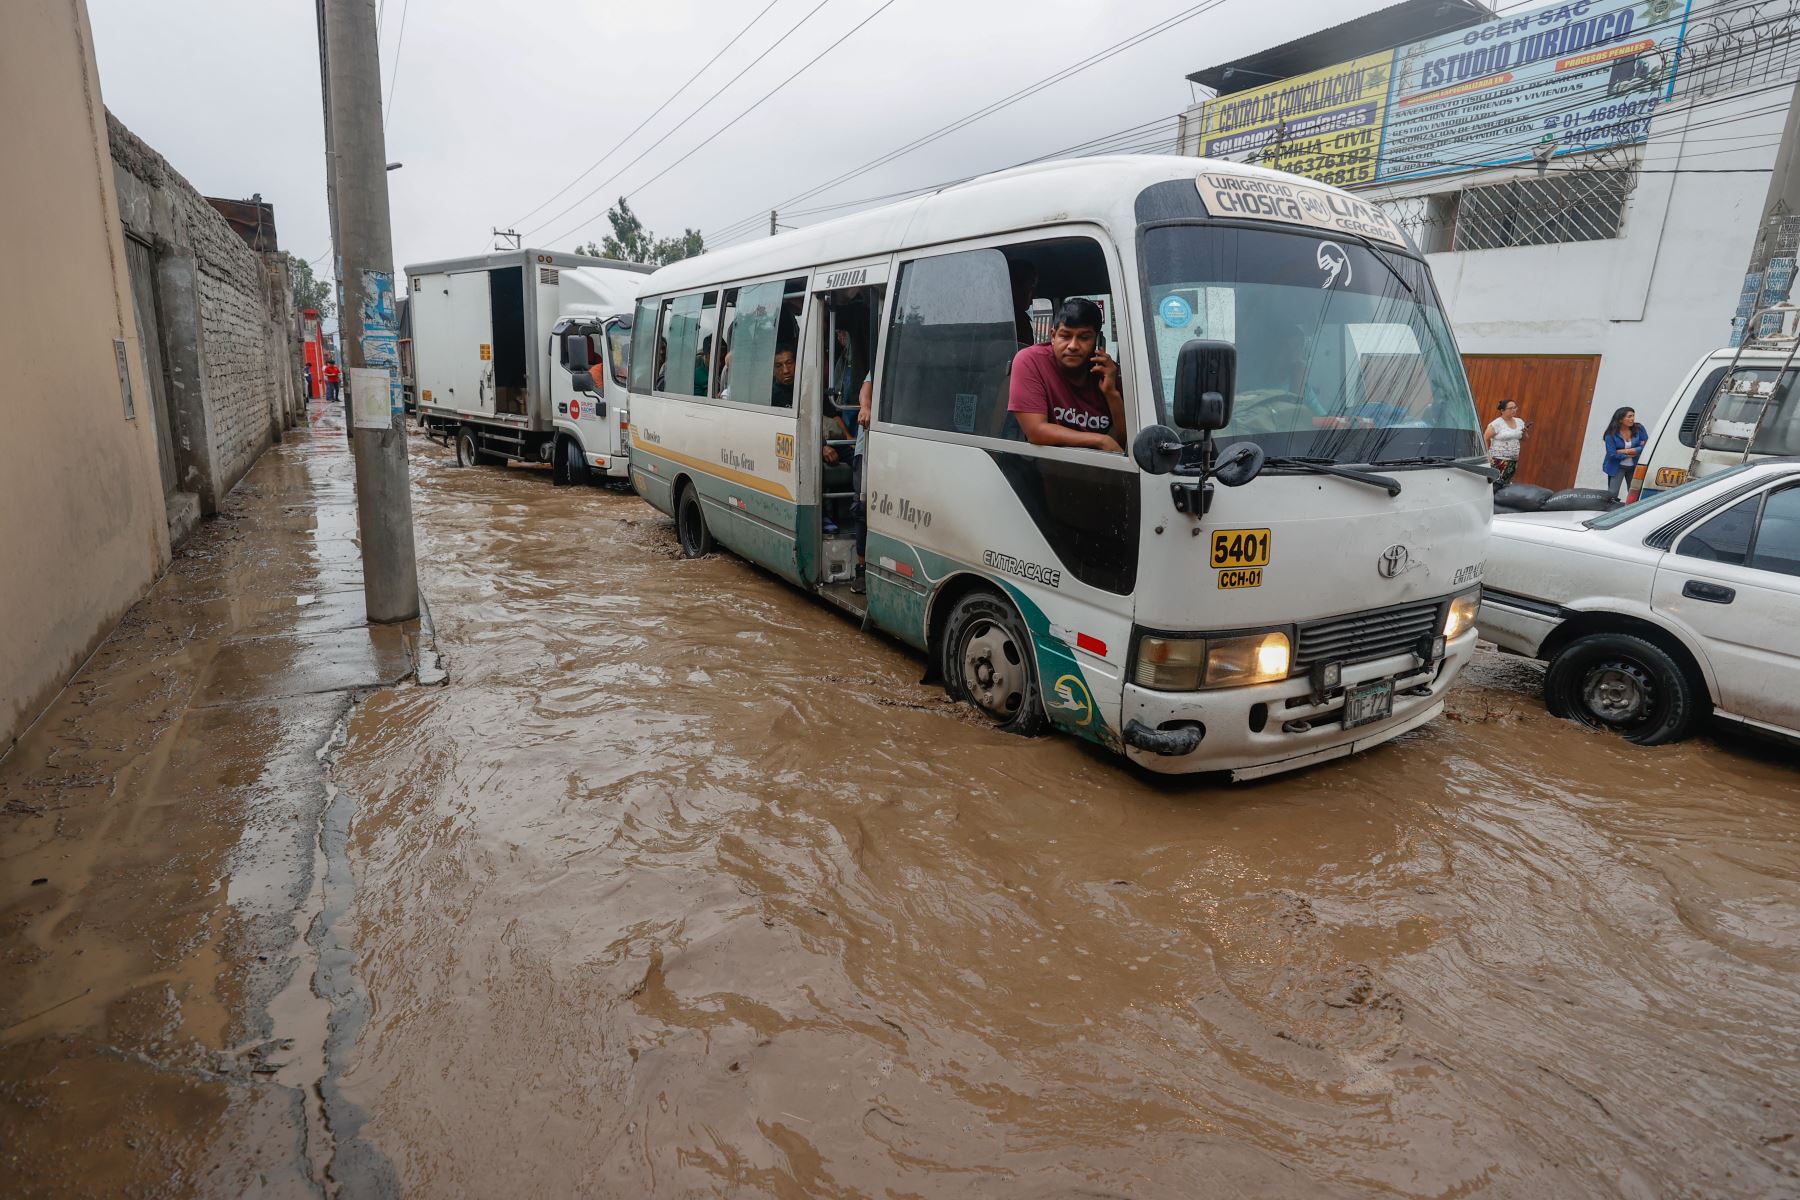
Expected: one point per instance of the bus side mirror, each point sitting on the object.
(1156, 449)
(1205, 384)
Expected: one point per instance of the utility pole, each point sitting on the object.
(508, 236)
(367, 316)
(1770, 276)
(771, 222)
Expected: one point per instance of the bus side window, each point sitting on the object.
(643, 336)
(960, 319)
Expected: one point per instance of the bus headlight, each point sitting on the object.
(1175, 664)
(1461, 616)
(1170, 664)
(1254, 658)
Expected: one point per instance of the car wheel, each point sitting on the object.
(690, 524)
(985, 659)
(1624, 685)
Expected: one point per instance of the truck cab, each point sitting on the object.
(590, 373)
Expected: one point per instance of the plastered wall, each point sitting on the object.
(82, 523)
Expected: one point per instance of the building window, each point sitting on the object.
(1560, 206)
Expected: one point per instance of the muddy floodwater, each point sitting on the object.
(682, 886)
(686, 887)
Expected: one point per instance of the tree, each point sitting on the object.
(309, 291)
(631, 242)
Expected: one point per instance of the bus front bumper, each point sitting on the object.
(1266, 729)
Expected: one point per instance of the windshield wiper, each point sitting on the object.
(1385, 260)
(1472, 466)
(1324, 466)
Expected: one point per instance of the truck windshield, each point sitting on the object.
(1343, 355)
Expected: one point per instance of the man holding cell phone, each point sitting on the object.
(1065, 392)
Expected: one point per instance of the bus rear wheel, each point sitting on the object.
(986, 661)
(690, 525)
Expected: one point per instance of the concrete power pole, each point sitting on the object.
(771, 222)
(367, 317)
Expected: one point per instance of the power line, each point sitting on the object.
(1004, 102)
(659, 110)
(887, 4)
(399, 44)
(792, 29)
(1542, 111)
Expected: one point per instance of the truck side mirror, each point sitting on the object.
(1205, 385)
(577, 349)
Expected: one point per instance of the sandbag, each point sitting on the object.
(1579, 499)
(1522, 497)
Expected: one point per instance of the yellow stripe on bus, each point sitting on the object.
(714, 469)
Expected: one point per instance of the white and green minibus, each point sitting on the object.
(1281, 567)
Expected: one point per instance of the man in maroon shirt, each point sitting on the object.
(1065, 392)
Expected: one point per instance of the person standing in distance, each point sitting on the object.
(1623, 438)
(1503, 435)
(333, 377)
(1065, 392)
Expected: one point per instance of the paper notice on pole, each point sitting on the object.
(369, 398)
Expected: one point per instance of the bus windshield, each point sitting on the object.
(1343, 354)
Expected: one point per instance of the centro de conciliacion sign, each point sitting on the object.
(1571, 77)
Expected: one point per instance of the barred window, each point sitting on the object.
(1561, 206)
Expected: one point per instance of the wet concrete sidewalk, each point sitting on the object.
(161, 862)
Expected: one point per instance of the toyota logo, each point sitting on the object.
(1395, 561)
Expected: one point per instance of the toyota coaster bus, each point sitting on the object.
(1281, 568)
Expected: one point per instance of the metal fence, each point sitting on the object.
(1567, 206)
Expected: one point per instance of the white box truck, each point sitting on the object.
(491, 338)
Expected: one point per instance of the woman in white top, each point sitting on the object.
(1503, 434)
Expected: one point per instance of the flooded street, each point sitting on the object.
(686, 887)
(682, 886)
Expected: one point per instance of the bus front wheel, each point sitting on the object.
(690, 525)
(986, 661)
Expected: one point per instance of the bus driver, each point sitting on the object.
(1065, 392)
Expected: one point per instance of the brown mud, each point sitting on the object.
(684, 886)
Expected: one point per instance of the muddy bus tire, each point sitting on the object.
(986, 661)
(690, 524)
(1624, 685)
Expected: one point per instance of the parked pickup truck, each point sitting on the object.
(1656, 614)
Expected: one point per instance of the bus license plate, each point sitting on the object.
(1239, 548)
(1368, 702)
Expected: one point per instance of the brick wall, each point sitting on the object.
(225, 341)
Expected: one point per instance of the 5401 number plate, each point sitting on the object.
(1240, 548)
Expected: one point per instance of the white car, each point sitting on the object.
(1657, 614)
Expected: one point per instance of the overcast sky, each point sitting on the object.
(495, 107)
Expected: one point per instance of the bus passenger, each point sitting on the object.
(1065, 392)
(781, 395)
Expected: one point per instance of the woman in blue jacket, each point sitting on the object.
(1624, 439)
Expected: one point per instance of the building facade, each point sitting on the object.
(1587, 181)
(145, 346)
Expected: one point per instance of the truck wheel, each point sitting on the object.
(690, 524)
(575, 464)
(466, 453)
(1624, 685)
(985, 659)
